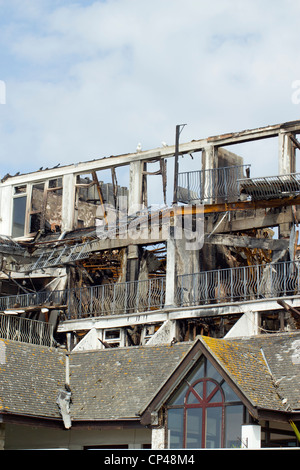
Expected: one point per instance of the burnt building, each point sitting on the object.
(141, 251)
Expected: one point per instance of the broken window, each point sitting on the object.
(46, 206)
(113, 338)
(96, 193)
(155, 192)
(53, 206)
(19, 211)
(36, 208)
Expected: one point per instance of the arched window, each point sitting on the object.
(204, 412)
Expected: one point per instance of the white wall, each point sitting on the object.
(6, 200)
(34, 437)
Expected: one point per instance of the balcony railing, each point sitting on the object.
(105, 299)
(208, 287)
(25, 330)
(271, 186)
(119, 298)
(239, 284)
(213, 184)
(20, 301)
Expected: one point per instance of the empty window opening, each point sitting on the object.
(45, 211)
(19, 211)
(97, 198)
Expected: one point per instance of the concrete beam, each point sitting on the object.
(247, 220)
(164, 152)
(175, 313)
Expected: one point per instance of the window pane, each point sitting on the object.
(53, 210)
(194, 428)
(233, 425)
(19, 210)
(197, 373)
(192, 398)
(212, 373)
(55, 183)
(20, 189)
(37, 197)
(175, 428)
(229, 393)
(213, 427)
(217, 396)
(178, 397)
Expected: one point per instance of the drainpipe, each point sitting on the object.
(64, 396)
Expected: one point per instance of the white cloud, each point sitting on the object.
(90, 79)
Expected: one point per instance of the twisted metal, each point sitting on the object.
(271, 186)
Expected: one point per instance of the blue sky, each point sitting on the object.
(89, 79)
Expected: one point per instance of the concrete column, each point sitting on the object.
(286, 165)
(171, 270)
(135, 187)
(286, 154)
(251, 436)
(209, 157)
(68, 202)
(6, 210)
(158, 438)
(2, 436)
(132, 263)
(247, 325)
(209, 162)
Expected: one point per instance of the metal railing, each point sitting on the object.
(271, 186)
(207, 287)
(239, 284)
(105, 299)
(119, 298)
(212, 184)
(19, 301)
(25, 330)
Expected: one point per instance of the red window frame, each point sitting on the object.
(204, 403)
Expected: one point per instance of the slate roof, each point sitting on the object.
(246, 367)
(118, 383)
(282, 354)
(266, 368)
(30, 377)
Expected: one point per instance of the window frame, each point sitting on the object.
(30, 211)
(204, 403)
(190, 383)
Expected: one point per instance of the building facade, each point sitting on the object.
(176, 251)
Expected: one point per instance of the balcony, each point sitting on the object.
(209, 287)
(239, 284)
(220, 184)
(25, 330)
(101, 300)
